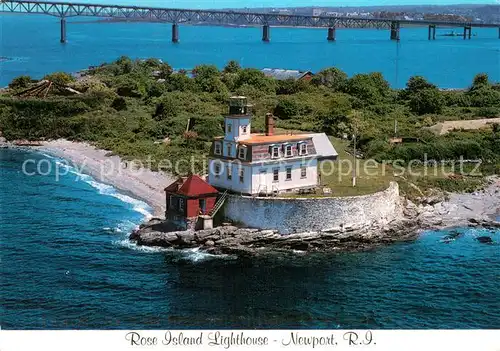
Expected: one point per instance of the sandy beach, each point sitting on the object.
(141, 183)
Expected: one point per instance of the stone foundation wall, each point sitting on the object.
(295, 215)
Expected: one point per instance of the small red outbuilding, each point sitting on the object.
(189, 197)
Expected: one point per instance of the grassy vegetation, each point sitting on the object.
(143, 108)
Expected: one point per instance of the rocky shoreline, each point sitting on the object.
(232, 240)
(458, 210)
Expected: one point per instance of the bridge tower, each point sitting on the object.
(467, 31)
(266, 33)
(63, 30)
(331, 34)
(432, 32)
(175, 33)
(395, 25)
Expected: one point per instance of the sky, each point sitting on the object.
(205, 4)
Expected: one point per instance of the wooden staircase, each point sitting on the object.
(218, 204)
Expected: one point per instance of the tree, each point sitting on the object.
(127, 86)
(119, 104)
(484, 96)
(180, 82)
(155, 89)
(153, 63)
(332, 78)
(418, 83)
(207, 78)
(480, 81)
(165, 71)
(125, 63)
(61, 78)
(290, 86)
(256, 78)
(287, 108)
(232, 67)
(20, 82)
(427, 101)
(372, 88)
(167, 108)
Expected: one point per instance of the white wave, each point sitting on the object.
(52, 157)
(193, 255)
(104, 189)
(133, 246)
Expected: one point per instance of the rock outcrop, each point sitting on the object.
(251, 242)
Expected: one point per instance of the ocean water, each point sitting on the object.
(32, 44)
(66, 263)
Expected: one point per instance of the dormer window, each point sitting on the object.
(288, 151)
(275, 152)
(302, 149)
(242, 152)
(217, 148)
(243, 129)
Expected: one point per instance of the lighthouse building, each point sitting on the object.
(268, 163)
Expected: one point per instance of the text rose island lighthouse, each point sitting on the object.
(254, 164)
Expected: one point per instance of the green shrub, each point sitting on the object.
(21, 82)
(61, 78)
(119, 104)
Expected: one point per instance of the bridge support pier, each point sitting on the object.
(432, 32)
(175, 33)
(63, 30)
(467, 32)
(395, 30)
(331, 34)
(266, 33)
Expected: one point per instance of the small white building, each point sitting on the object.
(267, 163)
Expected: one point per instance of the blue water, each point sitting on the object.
(32, 42)
(66, 263)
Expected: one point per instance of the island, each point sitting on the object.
(382, 163)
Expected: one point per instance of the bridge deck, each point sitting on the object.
(66, 9)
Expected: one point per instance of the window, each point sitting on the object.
(275, 152)
(276, 175)
(228, 150)
(302, 149)
(229, 127)
(289, 173)
(181, 204)
(243, 129)
(288, 151)
(217, 148)
(229, 172)
(303, 172)
(242, 175)
(242, 152)
(217, 170)
(172, 204)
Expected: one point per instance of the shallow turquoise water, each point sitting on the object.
(33, 43)
(66, 263)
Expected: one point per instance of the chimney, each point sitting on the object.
(269, 124)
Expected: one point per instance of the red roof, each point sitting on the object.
(191, 186)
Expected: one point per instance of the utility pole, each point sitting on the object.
(355, 161)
